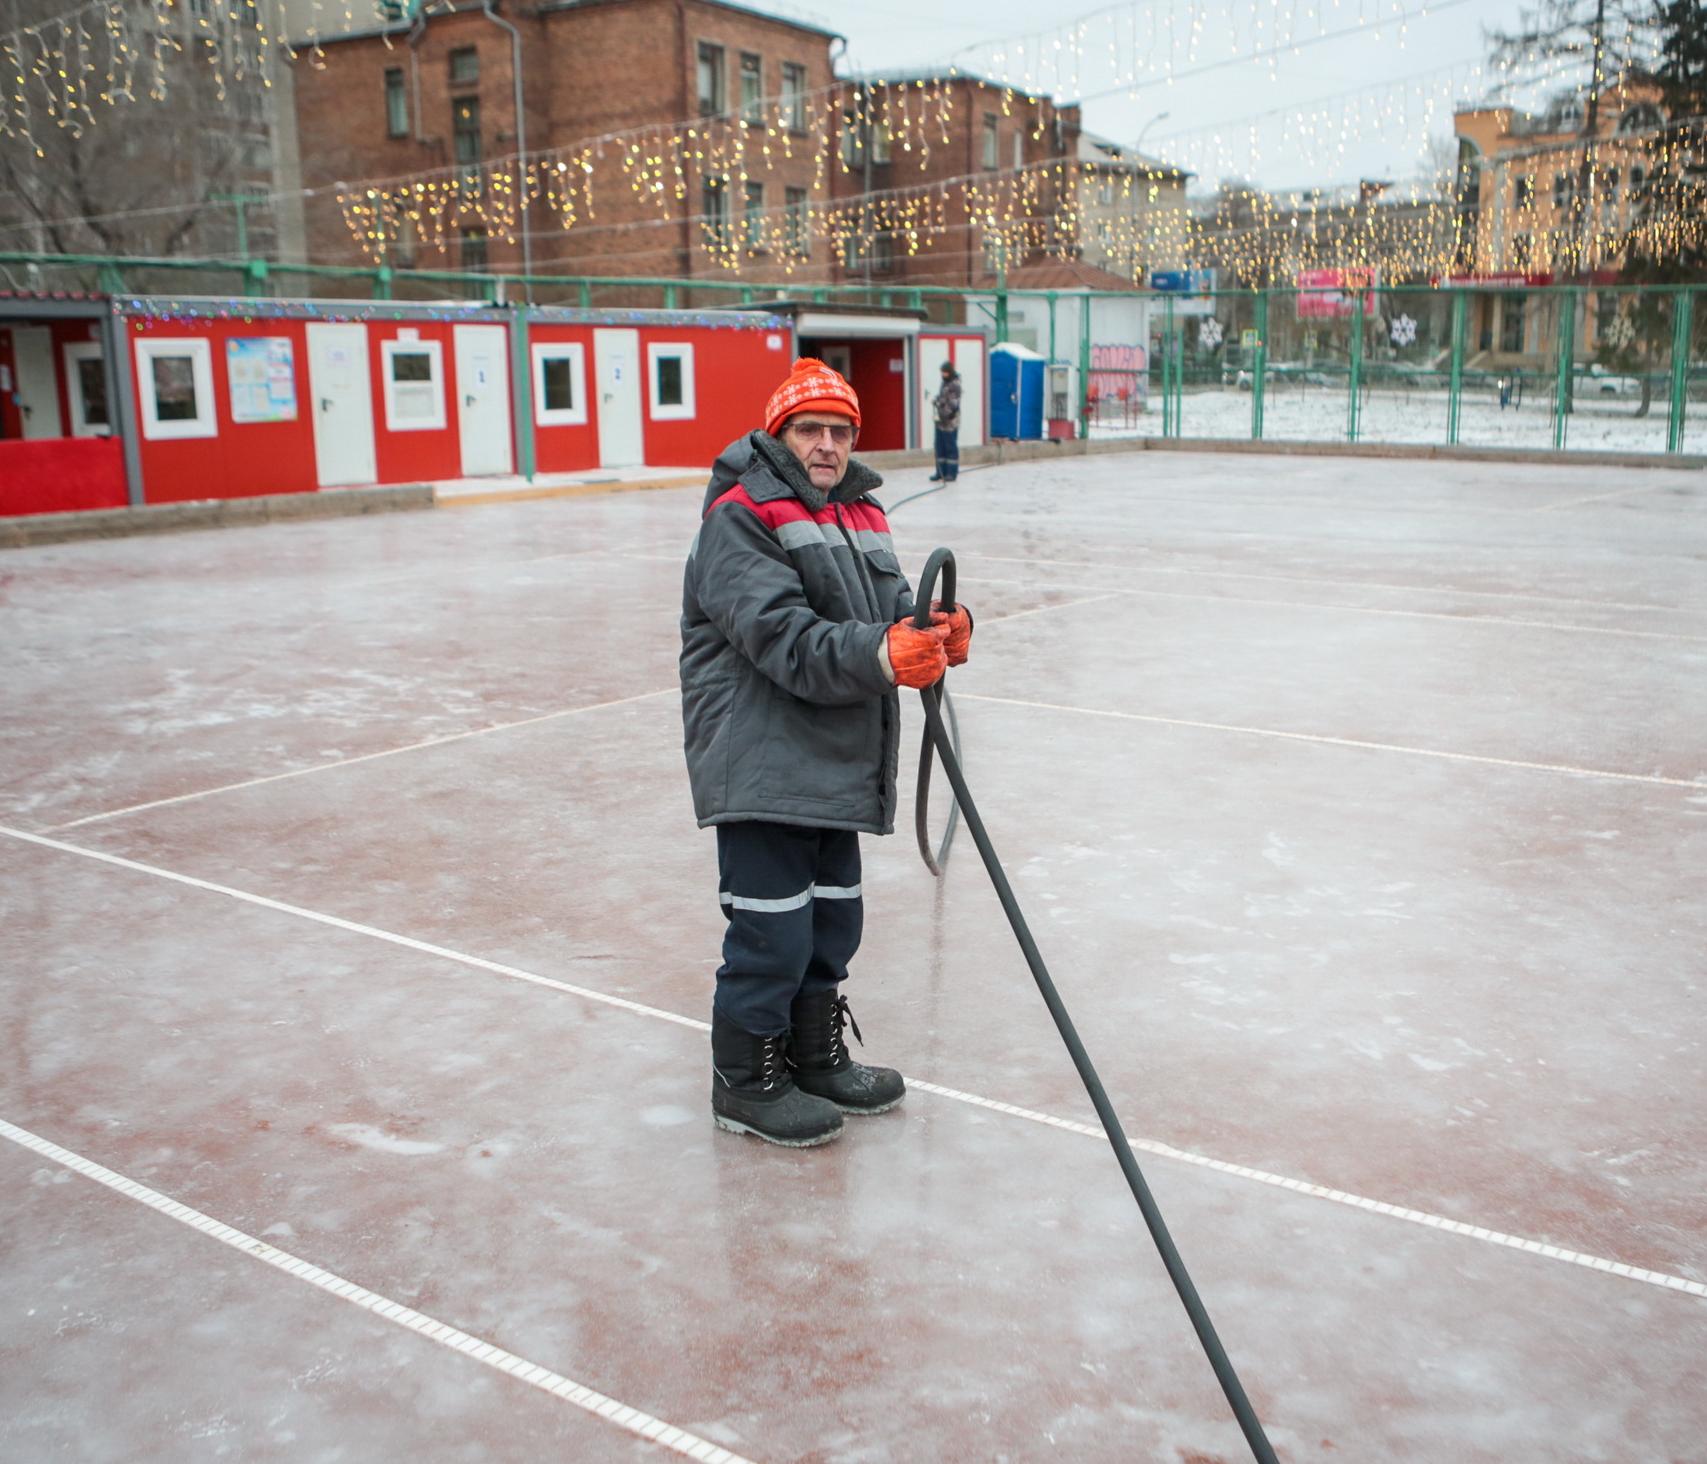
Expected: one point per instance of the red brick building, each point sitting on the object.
(686, 135)
(940, 178)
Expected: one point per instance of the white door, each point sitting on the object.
(37, 386)
(933, 351)
(969, 362)
(339, 386)
(86, 389)
(616, 362)
(483, 399)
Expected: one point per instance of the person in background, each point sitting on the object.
(947, 404)
(796, 633)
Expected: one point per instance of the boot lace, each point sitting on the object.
(772, 1063)
(841, 1014)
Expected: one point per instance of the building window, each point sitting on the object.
(559, 384)
(465, 130)
(799, 235)
(752, 88)
(1523, 192)
(992, 141)
(995, 253)
(1520, 251)
(1019, 150)
(405, 237)
(717, 211)
(1511, 324)
(473, 242)
(882, 254)
(794, 96)
(396, 103)
(464, 66)
(176, 377)
(753, 216)
(414, 385)
(850, 139)
(1564, 189)
(880, 142)
(711, 101)
(670, 380)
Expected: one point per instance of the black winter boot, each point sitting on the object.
(752, 1092)
(821, 1064)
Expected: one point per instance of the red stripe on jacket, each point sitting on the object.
(776, 512)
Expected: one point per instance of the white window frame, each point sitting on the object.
(81, 426)
(435, 350)
(576, 355)
(200, 351)
(683, 352)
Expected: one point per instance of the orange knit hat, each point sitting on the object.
(811, 386)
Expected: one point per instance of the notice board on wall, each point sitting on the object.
(261, 372)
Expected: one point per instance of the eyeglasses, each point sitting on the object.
(841, 433)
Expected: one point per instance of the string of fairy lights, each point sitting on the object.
(1537, 206)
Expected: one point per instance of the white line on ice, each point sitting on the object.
(654, 1430)
(1212, 572)
(1493, 620)
(1700, 785)
(345, 762)
(1184, 1156)
(1599, 497)
(1338, 1197)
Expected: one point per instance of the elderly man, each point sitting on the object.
(796, 632)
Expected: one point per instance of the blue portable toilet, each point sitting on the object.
(1016, 392)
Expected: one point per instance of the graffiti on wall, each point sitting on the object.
(1120, 374)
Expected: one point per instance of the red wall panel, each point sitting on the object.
(419, 456)
(246, 459)
(735, 372)
(565, 449)
(58, 474)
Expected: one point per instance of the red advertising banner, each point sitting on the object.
(1331, 294)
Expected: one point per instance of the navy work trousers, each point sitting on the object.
(795, 914)
(948, 453)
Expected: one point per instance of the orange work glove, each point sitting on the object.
(959, 623)
(916, 657)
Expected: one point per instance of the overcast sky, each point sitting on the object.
(1320, 110)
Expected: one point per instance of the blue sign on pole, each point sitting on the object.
(1182, 281)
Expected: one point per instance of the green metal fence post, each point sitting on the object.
(1567, 328)
(670, 297)
(584, 294)
(1167, 382)
(382, 282)
(1179, 370)
(1084, 363)
(1455, 386)
(1259, 365)
(521, 398)
(1682, 329)
(1052, 298)
(1354, 376)
(1002, 295)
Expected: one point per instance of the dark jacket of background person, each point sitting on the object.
(787, 713)
(948, 404)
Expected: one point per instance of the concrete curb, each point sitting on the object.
(213, 513)
(997, 453)
(226, 513)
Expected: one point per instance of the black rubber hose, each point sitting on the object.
(942, 560)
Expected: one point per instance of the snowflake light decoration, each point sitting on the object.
(1404, 331)
(1620, 332)
(1209, 333)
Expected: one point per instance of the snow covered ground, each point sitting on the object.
(1318, 414)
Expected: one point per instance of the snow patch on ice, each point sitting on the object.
(369, 1137)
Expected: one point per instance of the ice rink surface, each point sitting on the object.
(358, 947)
